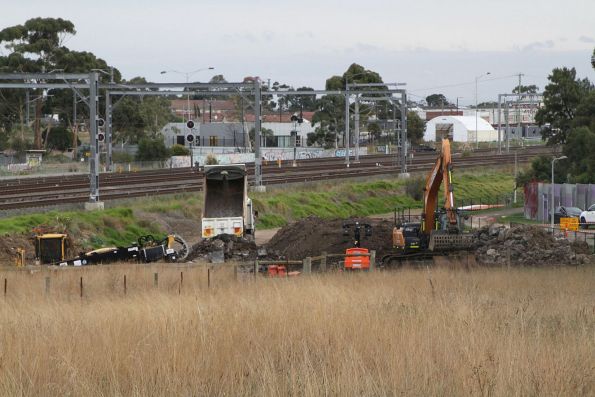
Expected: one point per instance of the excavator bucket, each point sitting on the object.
(446, 242)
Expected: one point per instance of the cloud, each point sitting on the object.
(585, 39)
(539, 45)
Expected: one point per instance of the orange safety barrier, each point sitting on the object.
(281, 271)
(272, 271)
(357, 262)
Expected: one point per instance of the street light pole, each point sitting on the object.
(553, 190)
(476, 132)
(187, 75)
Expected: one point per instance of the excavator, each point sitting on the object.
(440, 229)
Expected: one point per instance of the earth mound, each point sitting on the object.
(312, 236)
(527, 245)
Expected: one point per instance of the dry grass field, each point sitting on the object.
(487, 332)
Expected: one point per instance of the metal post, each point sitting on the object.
(518, 101)
(257, 156)
(499, 124)
(94, 160)
(356, 131)
(27, 100)
(346, 124)
(404, 133)
(108, 129)
(515, 174)
(553, 193)
(506, 114)
(476, 138)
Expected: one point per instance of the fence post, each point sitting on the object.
(209, 277)
(125, 287)
(5, 286)
(156, 280)
(47, 285)
(372, 260)
(81, 287)
(307, 265)
(323, 262)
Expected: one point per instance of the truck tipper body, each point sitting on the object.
(227, 208)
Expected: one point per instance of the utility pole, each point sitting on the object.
(94, 160)
(519, 106)
(356, 131)
(108, 128)
(346, 124)
(257, 157)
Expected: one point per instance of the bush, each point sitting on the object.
(414, 188)
(20, 145)
(122, 157)
(211, 160)
(59, 138)
(179, 150)
(152, 149)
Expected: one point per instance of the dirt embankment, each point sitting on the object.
(312, 236)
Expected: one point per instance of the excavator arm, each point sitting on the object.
(440, 173)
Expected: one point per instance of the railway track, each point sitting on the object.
(68, 189)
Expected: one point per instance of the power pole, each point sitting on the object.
(518, 105)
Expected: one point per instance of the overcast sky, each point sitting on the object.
(432, 45)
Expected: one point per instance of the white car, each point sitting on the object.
(588, 217)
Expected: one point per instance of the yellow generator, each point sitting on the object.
(50, 247)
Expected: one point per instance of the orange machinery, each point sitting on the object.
(439, 229)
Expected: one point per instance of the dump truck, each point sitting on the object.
(227, 208)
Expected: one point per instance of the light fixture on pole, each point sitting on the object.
(476, 132)
(187, 74)
(553, 189)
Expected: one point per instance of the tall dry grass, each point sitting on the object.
(486, 332)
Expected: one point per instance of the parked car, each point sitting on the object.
(587, 217)
(566, 212)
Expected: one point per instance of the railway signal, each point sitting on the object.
(190, 138)
(190, 124)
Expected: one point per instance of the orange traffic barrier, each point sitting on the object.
(272, 271)
(357, 262)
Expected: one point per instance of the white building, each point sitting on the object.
(460, 129)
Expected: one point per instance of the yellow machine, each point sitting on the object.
(50, 247)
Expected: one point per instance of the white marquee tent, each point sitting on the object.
(460, 129)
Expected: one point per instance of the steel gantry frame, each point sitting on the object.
(537, 96)
(73, 81)
(70, 81)
(347, 93)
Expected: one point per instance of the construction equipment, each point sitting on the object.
(50, 247)
(227, 208)
(357, 231)
(440, 229)
(147, 249)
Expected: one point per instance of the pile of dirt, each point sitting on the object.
(228, 247)
(312, 236)
(526, 245)
(9, 245)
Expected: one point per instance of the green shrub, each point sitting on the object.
(179, 150)
(414, 188)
